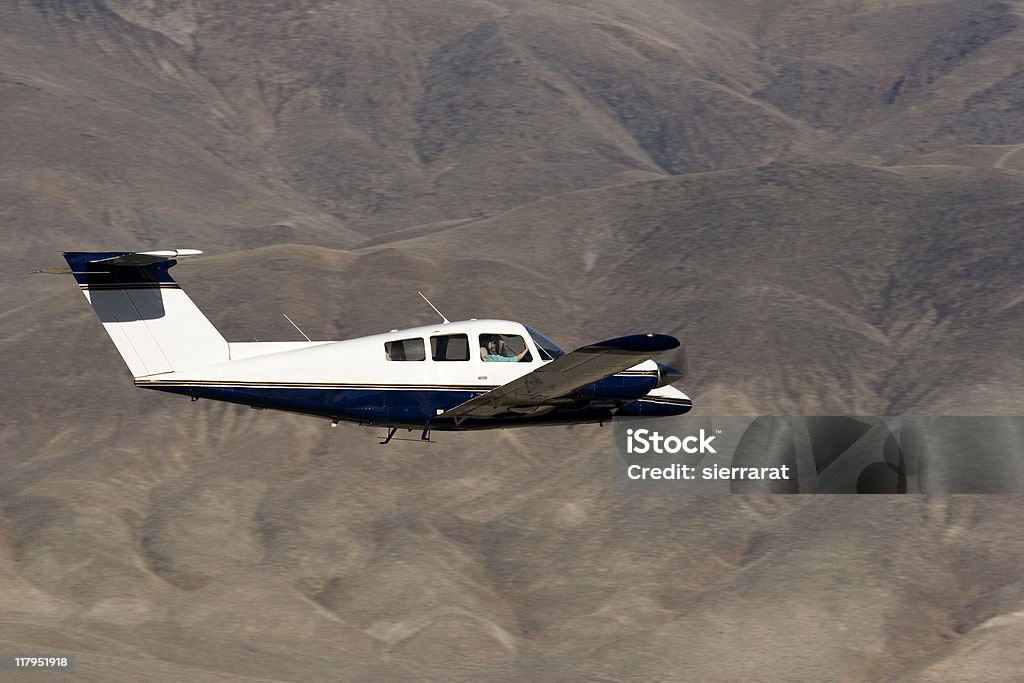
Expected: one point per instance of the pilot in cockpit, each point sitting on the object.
(495, 351)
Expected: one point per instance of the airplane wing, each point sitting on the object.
(554, 381)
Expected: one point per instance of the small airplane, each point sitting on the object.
(472, 374)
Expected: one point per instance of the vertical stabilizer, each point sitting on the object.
(154, 325)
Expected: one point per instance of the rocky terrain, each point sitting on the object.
(823, 200)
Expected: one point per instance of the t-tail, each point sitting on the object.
(154, 325)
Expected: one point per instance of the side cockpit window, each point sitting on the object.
(504, 348)
(405, 349)
(449, 347)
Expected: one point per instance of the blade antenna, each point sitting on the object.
(446, 321)
(296, 326)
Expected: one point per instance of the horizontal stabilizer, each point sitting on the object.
(146, 258)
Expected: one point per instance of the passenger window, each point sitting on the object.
(449, 347)
(405, 349)
(504, 348)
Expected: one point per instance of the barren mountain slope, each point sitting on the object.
(163, 529)
(821, 199)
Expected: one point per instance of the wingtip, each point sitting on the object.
(650, 342)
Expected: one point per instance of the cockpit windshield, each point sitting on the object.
(548, 349)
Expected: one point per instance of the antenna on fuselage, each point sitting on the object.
(446, 320)
(296, 326)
